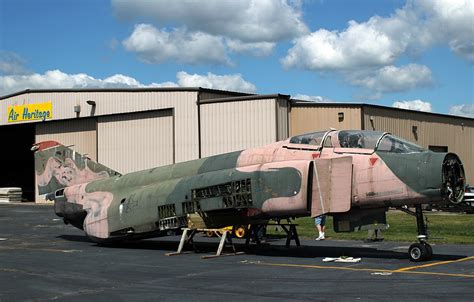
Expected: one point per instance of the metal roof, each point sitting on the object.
(303, 103)
(245, 98)
(142, 89)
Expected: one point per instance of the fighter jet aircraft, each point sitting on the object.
(353, 175)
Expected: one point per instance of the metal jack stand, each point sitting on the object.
(289, 228)
(226, 239)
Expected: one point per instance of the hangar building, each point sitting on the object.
(135, 129)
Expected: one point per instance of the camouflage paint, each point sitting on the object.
(277, 174)
(58, 167)
(419, 171)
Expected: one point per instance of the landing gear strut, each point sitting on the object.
(420, 251)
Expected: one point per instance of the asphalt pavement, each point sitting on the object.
(41, 259)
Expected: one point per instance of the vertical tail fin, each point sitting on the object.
(58, 166)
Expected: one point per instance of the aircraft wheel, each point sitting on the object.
(429, 250)
(418, 252)
(240, 231)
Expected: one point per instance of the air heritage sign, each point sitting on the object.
(30, 112)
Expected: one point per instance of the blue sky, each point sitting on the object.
(409, 54)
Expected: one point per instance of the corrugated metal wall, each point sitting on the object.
(80, 133)
(311, 118)
(136, 141)
(231, 126)
(116, 102)
(282, 118)
(432, 130)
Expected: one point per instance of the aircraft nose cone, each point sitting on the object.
(454, 180)
(71, 212)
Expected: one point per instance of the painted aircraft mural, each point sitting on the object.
(352, 175)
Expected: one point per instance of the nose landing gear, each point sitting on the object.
(421, 250)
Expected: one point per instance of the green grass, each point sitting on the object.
(442, 228)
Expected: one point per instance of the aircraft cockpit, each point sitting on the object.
(366, 141)
(359, 139)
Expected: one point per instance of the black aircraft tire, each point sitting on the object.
(429, 250)
(417, 252)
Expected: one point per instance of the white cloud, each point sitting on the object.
(413, 105)
(466, 110)
(380, 41)
(209, 30)
(156, 46)
(452, 22)
(360, 46)
(394, 79)
(233, 82)
(245, 20)
(258, 49)
(312, 98)
(58, 79)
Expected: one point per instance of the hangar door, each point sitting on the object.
(136, 141)
(16, 160)
(81, 133)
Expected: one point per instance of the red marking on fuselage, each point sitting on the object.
(373, 160)
(316, 155)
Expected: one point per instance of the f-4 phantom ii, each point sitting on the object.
(352, 175)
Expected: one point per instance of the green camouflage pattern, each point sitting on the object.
(291, 178)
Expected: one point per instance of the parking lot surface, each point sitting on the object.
(42, 259)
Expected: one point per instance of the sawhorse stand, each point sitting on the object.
(289, 228)
(188, 235)
(291, 234)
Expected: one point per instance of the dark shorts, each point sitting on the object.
(320, 220)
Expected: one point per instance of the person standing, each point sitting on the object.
(320, 222)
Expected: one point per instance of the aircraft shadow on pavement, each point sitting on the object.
(75, 238)
(338, 251)
(166, 245)
(209, 245)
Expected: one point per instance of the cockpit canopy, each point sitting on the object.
(390, 143)
(314, 138)
(359, 138)
(362, 139)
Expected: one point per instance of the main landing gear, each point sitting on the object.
(421, 250)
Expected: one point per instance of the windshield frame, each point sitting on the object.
(318, 147)
(421, 149)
